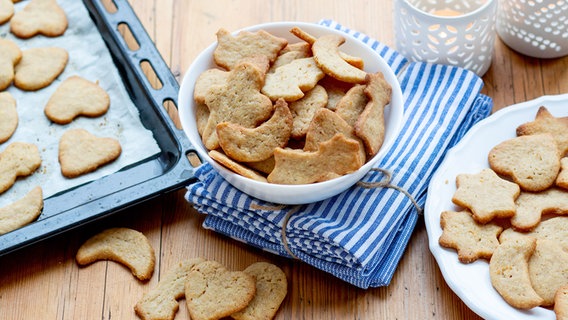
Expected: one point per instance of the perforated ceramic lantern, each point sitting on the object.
(453, 32)
(536, 28)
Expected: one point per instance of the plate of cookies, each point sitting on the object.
(497, 213)
(290, 112)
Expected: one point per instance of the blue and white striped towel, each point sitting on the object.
(359, 235)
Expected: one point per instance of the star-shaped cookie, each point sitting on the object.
(545, 122)
(487, 195)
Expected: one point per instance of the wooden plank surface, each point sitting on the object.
(43, 281)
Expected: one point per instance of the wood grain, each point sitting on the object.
(43, 281)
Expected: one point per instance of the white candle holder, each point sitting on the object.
(536, 28)
(452, 32)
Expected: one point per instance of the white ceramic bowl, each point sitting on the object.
(292, 194)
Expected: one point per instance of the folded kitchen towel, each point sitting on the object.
(359, 235)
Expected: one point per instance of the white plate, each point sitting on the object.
(471, 281)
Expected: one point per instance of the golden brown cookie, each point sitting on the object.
(545, 122)
(213, 292)
(75, 97)
(509, 272)
(6, 10)
(81, 152)
(327, 57)
(531, 206)
(271, 289)
(231, 49)
(10, 55)
(548, 270)
(291, 81)
(43, 17)
(352, 104)
(486, 195)
(555, 229)
(532, 161)
(472, 240)
(19, 159)
(236, 167)
(22, 211)
(256, 144)
(370, 126)
(39, 67)
(238, 101)
(562, 179)
(123, 245)
(561, 303)
(160, 303)
(8, 116)
(335, 157)
(304, 109)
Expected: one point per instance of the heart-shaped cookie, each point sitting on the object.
(82, 152)
(39, 67)
(213, 292)
(43, 17)
(75, 97)
(532, 161)
(10, 55)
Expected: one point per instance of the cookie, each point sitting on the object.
(545, 122)
(555, 229)
(236, 167)
(126, 246)
(75, 97)
(271, 289)
(548, 270)
(532, 161)
(562, 178)
(256, 144)
(19, 159)
(291, 81)
(472, 240)
(231, 49)
(509, 272)
(22, 211)
(303, 110)
(207, 79)
(370, 126)
(531, 206)
(327, 57)
(352, 104)
(43, 17)
(10, 55)
(252, 108)
(160, 303)
(486, 195)
(334, 158)
(8, 116)
(81, 152)
(6, 10)
(213, 292)
(561, 303)
(39, 67)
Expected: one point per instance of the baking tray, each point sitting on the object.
(169, 170)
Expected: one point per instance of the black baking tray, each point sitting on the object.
(169, 170)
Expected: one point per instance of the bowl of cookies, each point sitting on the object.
(290, 112)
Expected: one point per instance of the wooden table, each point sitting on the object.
(43, 281)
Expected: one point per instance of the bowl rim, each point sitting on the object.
(333, 186)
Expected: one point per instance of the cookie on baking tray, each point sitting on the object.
(39, 67)
(19, 159)
(123, 245)
(81, 152)
(22, 211)
(6, 10)
(8, 116)
(10, 55)
(43, 17)
(76, 96)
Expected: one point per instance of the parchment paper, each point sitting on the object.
(90, 59)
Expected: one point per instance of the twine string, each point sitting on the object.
(384, 183)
